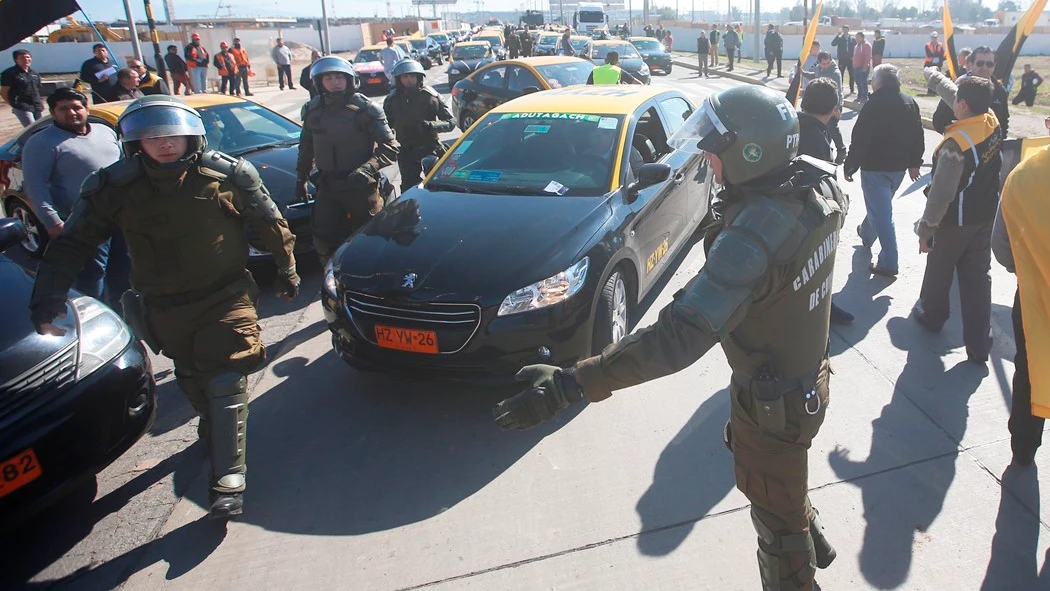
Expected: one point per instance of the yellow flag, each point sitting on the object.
(949, 43)
(807, 43)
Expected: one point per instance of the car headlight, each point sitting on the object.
(453, 70)
(103, 335)
(329, 280)
(548, 292)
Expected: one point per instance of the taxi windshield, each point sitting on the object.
(367, 55)
(541, 154)
(579, 44)
(562, 75)
(439, 37)
(548, 39)
(420, 44)
(648, 45)
(240, 128)
(625, 50)
(470, 52)
(493, 41)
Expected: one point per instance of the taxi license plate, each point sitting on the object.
(19, 471)
(374, 81)
(407, 339)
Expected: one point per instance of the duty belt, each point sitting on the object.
(196, 295)
(771, 387)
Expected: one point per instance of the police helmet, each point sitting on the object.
(407, 66)
(334, 64)
(752, 129)
(159, 116)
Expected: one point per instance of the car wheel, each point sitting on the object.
(428, 64)
(466, 121)
(36, 238)
(612, 318)
(667, 71)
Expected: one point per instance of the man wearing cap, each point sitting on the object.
(244, 66)
(197, 62)
(226, 69)
(934, 57)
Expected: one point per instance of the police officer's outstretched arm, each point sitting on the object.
(445, 122)
(253, 202)
(709, 307)
(84, 229)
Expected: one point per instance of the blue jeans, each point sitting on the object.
(199, 77)
(107, 269)
(879, 188)
(862, 83)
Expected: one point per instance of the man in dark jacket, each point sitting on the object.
(887, 141)
(149, 83)
(101, 73)
(979, 63)
(1030, 81)
(845, 43)
(417, 114)
(177, 69)
(774, 45)
(878, 48)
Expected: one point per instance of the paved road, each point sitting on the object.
(373, 482)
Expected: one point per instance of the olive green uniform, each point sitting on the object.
(349, 140)
(764, 294)
(417, 116)
(185, 229)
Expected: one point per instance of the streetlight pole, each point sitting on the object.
(134, 32)
(327, 49)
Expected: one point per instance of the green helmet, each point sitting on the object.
(752, 129)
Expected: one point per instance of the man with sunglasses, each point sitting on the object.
(764, 294)
(981, 62)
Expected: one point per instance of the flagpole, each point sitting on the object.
(135, 47)
(162, 71)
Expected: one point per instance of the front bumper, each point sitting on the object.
(490, 356)
(79, 430)
(374, 81)
(659, 63)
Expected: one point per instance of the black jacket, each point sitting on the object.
(814, 139)
(774, 42)
(845, 46)
(888, 135)
(945, 116)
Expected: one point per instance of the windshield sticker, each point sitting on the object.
(463, 146)
(484, 176)
(607, 123)
(460, 174)
(556, 187)
(447, 170)
(567, 116)
(537, 129)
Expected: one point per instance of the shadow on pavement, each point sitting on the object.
(894, 522)
(859, 296)
(55, 532)
(371, 452)
(693, 474)
(1014, 562)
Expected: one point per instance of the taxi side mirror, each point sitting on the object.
(12, 231)
(649, 175)
(428, 162)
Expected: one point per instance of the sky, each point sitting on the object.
(106, 10)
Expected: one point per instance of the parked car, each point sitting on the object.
(237, 126)
(576, 206)
(580, 44)
(444, 41)
(499, 82)
(369, 67)
(546, 44)
(630, 59)
(424, 50)
(495, 39)
(69, 405)
(467, 57)
(653, 53)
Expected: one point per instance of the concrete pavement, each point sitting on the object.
(364, 481)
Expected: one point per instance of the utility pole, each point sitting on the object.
(134, 32)
(327, 49)
(758, 25)
(157, 57)
(645, 12)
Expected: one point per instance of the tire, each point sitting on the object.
(36, 240)
(613, 315)
(466, 121)
(667, 72)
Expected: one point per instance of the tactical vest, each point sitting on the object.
(405, 110)
(341, 138)
(977, 197)
(606, 74)
(182, 235)
(785, 333)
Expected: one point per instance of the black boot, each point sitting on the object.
(227, 505)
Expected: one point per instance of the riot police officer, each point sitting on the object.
(765, 295)
(418, 115)
(348, 138)
(183, 210)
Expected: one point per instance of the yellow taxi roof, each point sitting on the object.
(611, 100)
(645, 39)
(577, 37)
(373, 46)
(545, 60)
(473, 44)
(111, 111)
(438, 33)
(605, 42)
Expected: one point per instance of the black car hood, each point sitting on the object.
(277, 169)
(21, 348)
(631, 64)
(470, 65)
(463, 245)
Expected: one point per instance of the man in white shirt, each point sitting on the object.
(390, 55)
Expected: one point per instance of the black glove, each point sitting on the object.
(302, 193)
(288, 280)
(46, 312)
(425, 127)
(552, 389)
(364, 176)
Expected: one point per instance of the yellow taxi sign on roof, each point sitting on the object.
(620, 99)
(645, 39)
(473, 44)
(608, 42)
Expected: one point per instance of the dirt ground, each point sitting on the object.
(911, 75)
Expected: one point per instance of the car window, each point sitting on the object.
(676, 110)
(470, 52)
(649, 136)
(367, 55)
(648, 45)
(567, 74)
(625, 50)
(243, 127)
(534, 154)
(493, 41)
(520, 79)
(492, 77)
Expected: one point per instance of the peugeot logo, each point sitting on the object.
(409, 282)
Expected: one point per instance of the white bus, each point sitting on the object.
(590, 17)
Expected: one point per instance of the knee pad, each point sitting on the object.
(228, 405)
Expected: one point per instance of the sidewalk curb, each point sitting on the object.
(926, 121)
